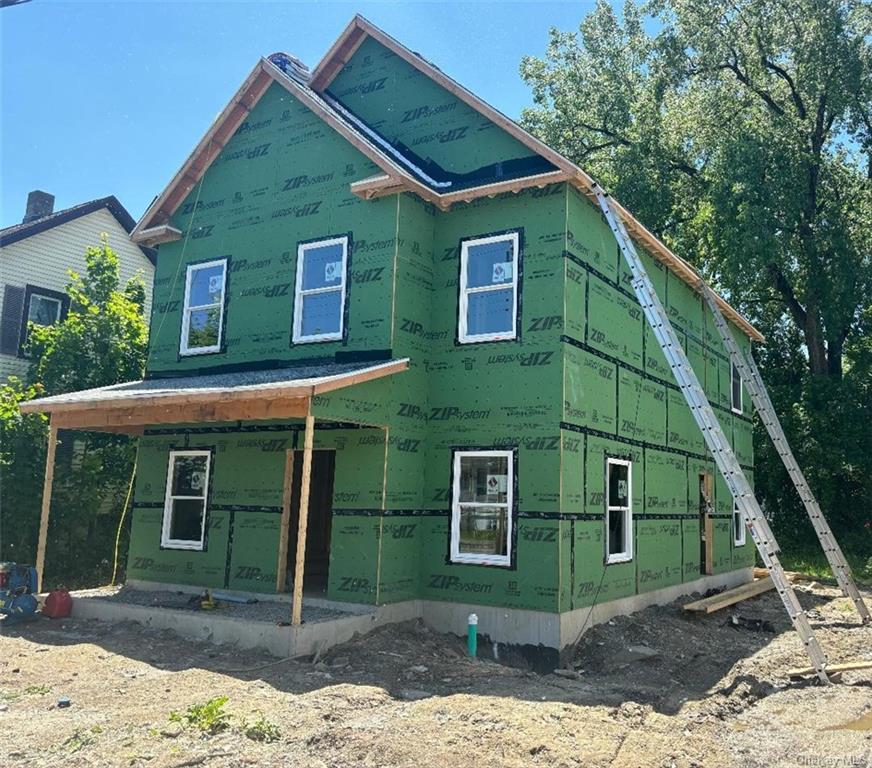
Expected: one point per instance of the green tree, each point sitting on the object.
(740, 132)
(102, 341)
(22, 464)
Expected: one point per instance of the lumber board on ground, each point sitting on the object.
(792, 576)
(831, 668)
(730, 597)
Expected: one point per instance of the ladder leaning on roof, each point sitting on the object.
(714, 436)
(757, 389)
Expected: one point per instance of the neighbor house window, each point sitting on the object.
(42, 307)
(481, 511)
(738, 526)
(184, 519)
(319, 301)
(488, 289)
(203, 318)
(619, 512)
(736, 388)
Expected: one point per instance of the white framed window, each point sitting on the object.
(488, 307)
(42, 307)
(738, 526)
(44, 310)
(184, 518)
(481, 509)
(619, 511)
(203, 316)
(319, 297)
(735, 389)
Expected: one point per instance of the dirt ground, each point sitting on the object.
(659, 688)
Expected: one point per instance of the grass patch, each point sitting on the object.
(815, 565)
(209, 717)
(79, 740)
(261, 729)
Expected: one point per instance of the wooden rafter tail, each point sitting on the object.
(163, 233)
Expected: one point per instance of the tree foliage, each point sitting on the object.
(102, 341)
(740, 132)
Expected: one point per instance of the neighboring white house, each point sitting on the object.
(35, 259)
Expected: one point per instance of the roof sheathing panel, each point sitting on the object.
(450, 141)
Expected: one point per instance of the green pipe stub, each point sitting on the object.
(472, 635)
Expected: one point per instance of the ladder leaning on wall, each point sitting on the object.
(714, 436)
(757, 389)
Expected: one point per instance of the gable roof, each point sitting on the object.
(16, 232)
(399, 172)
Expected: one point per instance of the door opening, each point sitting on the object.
(319, 522)
(706, 500)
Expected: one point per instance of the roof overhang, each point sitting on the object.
(275, 394)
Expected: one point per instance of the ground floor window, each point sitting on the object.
(481, 510)
(619, 512)
(184, 519)
(738, 526)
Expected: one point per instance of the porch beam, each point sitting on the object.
(46, 502)
(297, 610)
(116, 419)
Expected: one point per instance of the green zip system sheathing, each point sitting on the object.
(438, 132)
(584, 381)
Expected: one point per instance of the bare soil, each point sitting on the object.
(658, 688)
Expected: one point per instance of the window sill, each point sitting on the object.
(317, 339)
(737, 411)
(486, 339)
(616, 559)
(199, 351)
(504, 562)
(196, 546)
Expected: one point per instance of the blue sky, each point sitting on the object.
(102, 98)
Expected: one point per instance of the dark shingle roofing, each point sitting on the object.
(16, 232)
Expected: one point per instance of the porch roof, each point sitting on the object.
(240, 395)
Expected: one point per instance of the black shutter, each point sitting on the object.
(10, 323)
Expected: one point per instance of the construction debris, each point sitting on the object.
(730, 596)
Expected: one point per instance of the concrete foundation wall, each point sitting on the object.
(540, 639)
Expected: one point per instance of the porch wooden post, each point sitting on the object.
(46, 503)
(297, 613)
(282, 569)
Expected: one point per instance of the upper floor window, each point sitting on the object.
(203, 317)
(619, 511)
(481, 509)
(489, 289)
(319, 301)
(184, 518)
(735, 388)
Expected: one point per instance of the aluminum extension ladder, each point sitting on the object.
(714, 436)
(760, 396)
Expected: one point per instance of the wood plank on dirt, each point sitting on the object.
(831, 668)
(730, 597)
